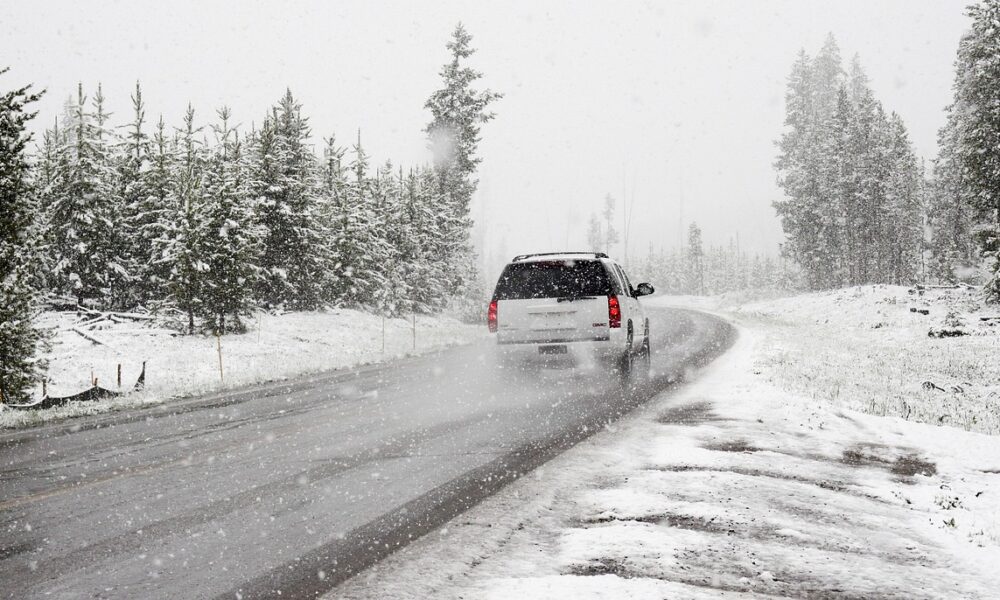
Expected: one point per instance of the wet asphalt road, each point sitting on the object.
(294, 487)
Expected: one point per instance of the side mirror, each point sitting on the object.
(644, 289)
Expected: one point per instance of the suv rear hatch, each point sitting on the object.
(552, 302)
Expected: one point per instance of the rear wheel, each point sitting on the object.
(642, 363)
(633, 365)
(626, 363)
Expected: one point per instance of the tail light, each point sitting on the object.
(491, 317)
(614, 312)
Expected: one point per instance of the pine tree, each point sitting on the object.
(424, 199)
(977, 111)
(798, 172)
(180, 250)
(903, 239)
(361, 243)
(141, 207)
(852, 212)
(114, 245)
(950, 213)
(458, 111)
(595, 237)
(81, 232)
(394, 233)
(285, 176)
(45, 183)
(19, 368)
(157, 217)
(330, 213)
(230, 241)
(694, 258)
(610, 233)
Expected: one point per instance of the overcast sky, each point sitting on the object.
(676, 104)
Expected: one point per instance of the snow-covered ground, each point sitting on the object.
(740, 485)
(869, 349)
(275, 347)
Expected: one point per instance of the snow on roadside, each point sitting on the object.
(869, 348)
(276, 347)
(731, 486)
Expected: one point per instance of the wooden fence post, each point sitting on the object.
(218, 343)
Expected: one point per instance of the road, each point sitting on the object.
(294, 487)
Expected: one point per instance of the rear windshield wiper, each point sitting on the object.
(574, 298)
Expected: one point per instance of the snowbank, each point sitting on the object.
(276, 347)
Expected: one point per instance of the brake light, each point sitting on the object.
(614, 312)
(491, 317)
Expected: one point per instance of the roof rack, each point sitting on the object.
(524, 256)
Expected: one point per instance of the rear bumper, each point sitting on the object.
(502, 341)
(596, 336)
(558, 352)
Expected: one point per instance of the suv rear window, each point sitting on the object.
(553, 279)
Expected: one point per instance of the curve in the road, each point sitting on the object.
(295, 487)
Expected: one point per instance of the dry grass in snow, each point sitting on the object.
(868, 348)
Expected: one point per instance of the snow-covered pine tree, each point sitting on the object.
(393, 233)
(293, 273)
(45, 179)
(950, 213)
(360, 243)
(139, 205)
(159, 216)
(694, 262)
(977, 108)
(179, 251)
(595, 237)
(228, 234)
(836, 165)
(430, 289)
(797, 172)
(610, 233)
(671, 275)
(841, 224)
(903, 220)
(118, 277)
(81, 234)
(871, 145)
(330, 212)
(19, 338)
(458, 110)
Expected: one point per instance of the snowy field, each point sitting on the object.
(740, 486)
(869, 349)
(276, 347)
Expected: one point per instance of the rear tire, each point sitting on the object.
(625, 367)
(643, 364)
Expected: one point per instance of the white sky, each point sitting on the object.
(671, 99)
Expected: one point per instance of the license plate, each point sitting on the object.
(552, 349)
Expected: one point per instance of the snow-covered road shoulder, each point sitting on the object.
(730, 485)
(276, 347)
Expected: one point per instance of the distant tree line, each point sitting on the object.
(211, 221)
(697, 270)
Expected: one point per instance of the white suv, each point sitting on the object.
(575, 305)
